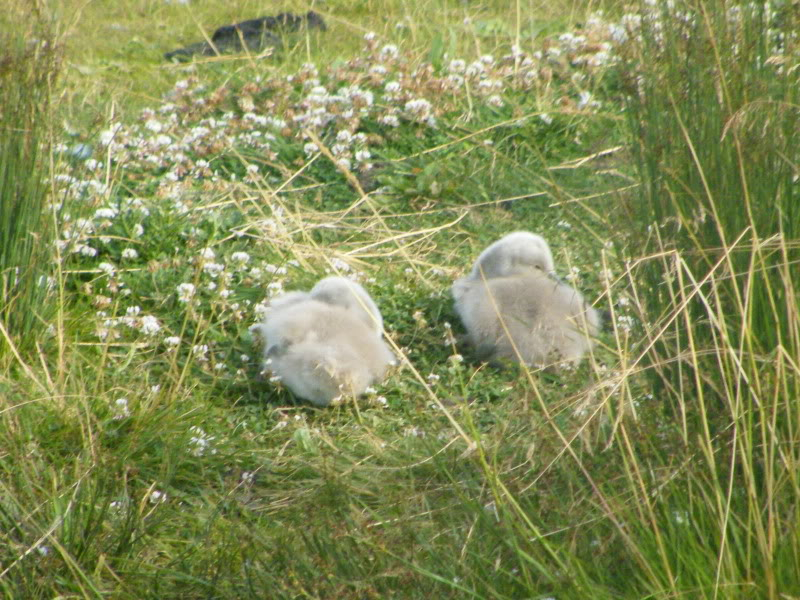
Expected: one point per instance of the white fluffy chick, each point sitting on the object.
(326, 343)
(512, 307)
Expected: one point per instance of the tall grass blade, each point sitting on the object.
(27, 71)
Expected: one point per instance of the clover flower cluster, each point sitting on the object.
(113, 328)
(177, 144)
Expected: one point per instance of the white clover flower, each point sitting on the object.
(260, 120)
(86, 250)
(133, 311)
(185, 292)
(389, 120)
(475, 69)
(201, 441)
(275, 287)
(564, 225)
(600, 59)
(154, 125)
(340, 265)
(455, 80)
(240, 257)
(162, 140)
(121, 408)
(681, 517)
(310, 148)
(363, 155)
(344, 163)
(419, 108)
(107, 136)
(277, 123)
(157, 497)
(213, 269)
(389, 51)
(105, 213)
(378, 70)
(585, 100)
(138, 230)
(392, 87)
(626, 323)
(457, 66)
(573, 275)
(495, 100)
(201, 351)
(107, 268)
(433, 377)
(208, 254)
(252, 169)
(275, 270)
(338, 149)
(180, 207)
(546, 118)
(172, 340)
(344, 137)
(150, 325)
(318, 94)
(130, 253)
(382, 401)
(370, 36)
(358, 96)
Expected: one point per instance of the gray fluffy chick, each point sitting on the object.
(325, 344)
(513, 307)
(338, 291)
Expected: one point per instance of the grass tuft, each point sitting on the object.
(27, 74)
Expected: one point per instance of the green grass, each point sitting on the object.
(710, 138)
(27, 75)
(145, 456)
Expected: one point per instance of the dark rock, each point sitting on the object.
(253, 35)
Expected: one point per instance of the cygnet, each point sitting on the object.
(326, 343)
(514, 307)
(338, 291)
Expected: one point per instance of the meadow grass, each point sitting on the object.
(146, 455)
(27, 75)
(713, 118)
